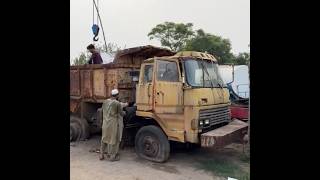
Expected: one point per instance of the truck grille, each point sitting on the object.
(215, 116)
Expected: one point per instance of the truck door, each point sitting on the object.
(144, 94)
(168, 87)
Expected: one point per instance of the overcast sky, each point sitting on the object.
(127, 22)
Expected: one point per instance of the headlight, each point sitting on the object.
(201, 123)
(207, 121)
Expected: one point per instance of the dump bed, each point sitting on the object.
(94, 82)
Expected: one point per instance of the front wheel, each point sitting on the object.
(152, 144)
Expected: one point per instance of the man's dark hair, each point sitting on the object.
(91, 46)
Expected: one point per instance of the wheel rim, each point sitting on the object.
(150, 146)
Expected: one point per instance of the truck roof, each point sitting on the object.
(196, 54)
(188, 54)
(147, 51)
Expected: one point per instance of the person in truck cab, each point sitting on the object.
(95, 57)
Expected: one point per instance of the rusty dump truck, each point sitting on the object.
(173, 97)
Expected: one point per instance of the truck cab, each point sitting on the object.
(186, 97)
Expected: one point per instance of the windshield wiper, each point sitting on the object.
(218, 82)
(206, 70)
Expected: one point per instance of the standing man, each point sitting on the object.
(112, 126)
(95, 57)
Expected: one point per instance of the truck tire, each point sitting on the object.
(96, 122)
(152, 144)
(79, 129)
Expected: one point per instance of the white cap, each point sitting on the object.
(114, 92)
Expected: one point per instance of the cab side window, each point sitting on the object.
(148, 72)
(167, 71)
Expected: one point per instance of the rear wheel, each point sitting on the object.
(79, 129)
(152, 144)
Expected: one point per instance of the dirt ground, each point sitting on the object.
(182, 165)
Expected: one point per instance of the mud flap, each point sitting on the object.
(220, 137)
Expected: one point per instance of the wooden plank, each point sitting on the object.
(86, 84)
(98, 83)
(74, 83)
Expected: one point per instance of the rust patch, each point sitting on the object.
(98, 83)
(74, 105)
(74, 82)
(86, 83)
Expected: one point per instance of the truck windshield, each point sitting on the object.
(203, 73)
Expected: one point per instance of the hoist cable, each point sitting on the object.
(92, 13)
(104, 37)
(97, 8)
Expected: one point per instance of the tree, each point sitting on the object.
(215, 45)
(111, 48)
(172, 35)
(242, 59)
(82, 59)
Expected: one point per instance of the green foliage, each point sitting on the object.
(82, 59)
(216, 45)
(179, 36)
(110, 48)
(242, 59)
(172, 35)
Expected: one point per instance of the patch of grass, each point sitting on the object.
(245, 176)
(224, 167)
(245, 158)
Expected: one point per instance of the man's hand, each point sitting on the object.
(124, 104)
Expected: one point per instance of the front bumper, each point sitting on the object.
(220, 137)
